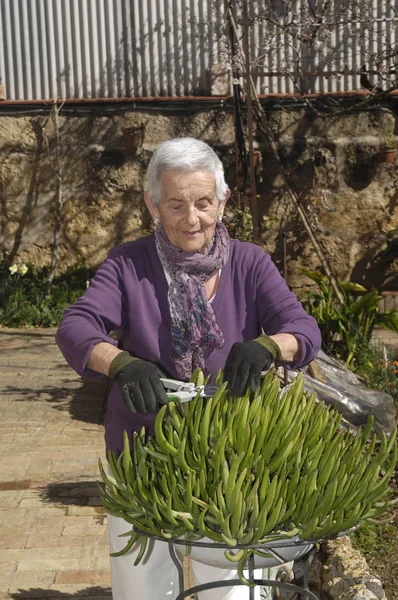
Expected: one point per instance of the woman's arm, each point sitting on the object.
(290, 348)
(290, 335)
(283, 318)
(101, 357)
(86, 323)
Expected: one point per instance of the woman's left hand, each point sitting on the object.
(244, 365)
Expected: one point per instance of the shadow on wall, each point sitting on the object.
(361, 166)
(143, 78)
(324, 177)
(298, 161)
(86, 168)
(94, 593)
(31, 196)
(107, 189)
(380, 270)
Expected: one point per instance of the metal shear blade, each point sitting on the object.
(182, 391)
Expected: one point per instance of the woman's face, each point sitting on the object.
(188, 208)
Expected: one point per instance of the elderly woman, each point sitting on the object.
(184, 297)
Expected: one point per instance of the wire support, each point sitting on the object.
(303, 592)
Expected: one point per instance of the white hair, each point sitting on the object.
(187, 155)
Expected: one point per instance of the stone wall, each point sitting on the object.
(339, 572)
(350, 196)
(333, 161)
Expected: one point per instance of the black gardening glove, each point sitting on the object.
(139, 381)
(245, 362)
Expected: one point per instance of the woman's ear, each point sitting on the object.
(151, 206)
(222, 205)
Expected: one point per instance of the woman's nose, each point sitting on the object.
(191, 215)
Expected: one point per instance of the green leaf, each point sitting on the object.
(368, 303)
(314, 275)
(348, 286)
(388, 320)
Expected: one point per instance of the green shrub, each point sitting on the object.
(23, 298)
(347, 329)
(238, 218)
(377, 367)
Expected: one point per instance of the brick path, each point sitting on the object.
(53, 538)
(53, 535)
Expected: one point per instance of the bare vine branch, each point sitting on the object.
(265, 129)
(305, 37)
(57, 169)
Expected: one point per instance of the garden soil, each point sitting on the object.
(379, 545)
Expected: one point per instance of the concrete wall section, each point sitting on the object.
(351, 198)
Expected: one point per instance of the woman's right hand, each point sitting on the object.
(139, 382)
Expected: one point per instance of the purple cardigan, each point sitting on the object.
(128, 295)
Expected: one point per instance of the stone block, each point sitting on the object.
(80, 590)
(7, 568)
(48, 564)
(48, 540)
(16, 515)
(85, 529)
(49, 511)
(52, 526)
(23, 580)
(16, 541)
(85, 511)
(9, 498)
(81, 540)
(35, 502)
(92, 577)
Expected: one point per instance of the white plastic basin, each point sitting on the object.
(215, 557)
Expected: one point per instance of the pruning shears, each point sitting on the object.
(182, 391)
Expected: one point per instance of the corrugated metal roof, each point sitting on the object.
(135, 48)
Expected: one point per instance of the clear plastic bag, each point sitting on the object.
(336, 385)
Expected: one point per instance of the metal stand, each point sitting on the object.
(303, 592)
(272, 548)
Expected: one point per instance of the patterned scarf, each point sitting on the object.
(195, 333)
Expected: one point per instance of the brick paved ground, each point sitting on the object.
(53, 535)
(53, 539)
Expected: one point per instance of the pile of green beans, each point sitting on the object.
(270, 465)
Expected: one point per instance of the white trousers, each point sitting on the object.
(155, 578)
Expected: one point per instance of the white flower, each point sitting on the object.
(23, 269)
(13, 269)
